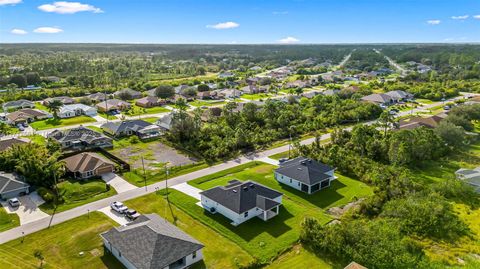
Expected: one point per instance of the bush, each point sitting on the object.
(134, 139)
(46, 194)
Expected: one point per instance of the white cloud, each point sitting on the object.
(48, 30)
(18, 32)
(434, 22)
(288, 40)
(280, 12)
(476, 17)
(463, 17)
(224, 25)
(63, 7)
(9, 2)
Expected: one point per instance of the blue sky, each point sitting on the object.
(240, 21)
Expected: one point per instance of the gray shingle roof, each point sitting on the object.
(10, 182)
(151, 242)
(77, 134)
(242, 196)
(305, 170)
(121, 127)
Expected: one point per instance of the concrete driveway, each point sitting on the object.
(118, 183)
(28, 210)
(188, 190)
(119, 218)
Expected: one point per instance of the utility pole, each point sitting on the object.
(144, 175)
(167, 172)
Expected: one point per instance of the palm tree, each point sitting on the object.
(54, 106)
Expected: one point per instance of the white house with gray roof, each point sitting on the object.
(73, 110)
(151, 242)
(240, 201)
(12, 185)
(17, 104)
(305, 174)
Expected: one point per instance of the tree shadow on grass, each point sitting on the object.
(110, 261)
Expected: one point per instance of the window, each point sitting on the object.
(290, 180)
(245, 214)
(119, 254)
(194, 255)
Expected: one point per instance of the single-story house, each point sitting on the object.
(179, 89)
(112, 104)
(240, 201)
(88, 164)
(13, 105)
(80, 138)
(229, 93)
(140, 128)
(305, 174)
(296, 84)
(8, 143)
(379, 99)
(149, 101)
(73, 110)
(97, 97)
(415, 122)
(399, 95)
(152, 242)
(165, 122)
(131, 93)
(226, 75)
(26, 115)
(470, 176)
(252, 89)
(63, 99)
(205, 95)
(12, 185)
(330, 92)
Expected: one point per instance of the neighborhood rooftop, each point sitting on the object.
(305, 170)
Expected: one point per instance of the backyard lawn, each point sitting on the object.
(219, 252)
(8, 221)
(199, 103)
(299, 257)
(55, 123)
(38, 139)
(76, 193)
(62, 245)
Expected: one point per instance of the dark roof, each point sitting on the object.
(242, 196)
(151, 242)
(7, 143)
(305, 170)
(21, 102)
(121, 127)
(77, 134)
(86, 161)
(10, 182)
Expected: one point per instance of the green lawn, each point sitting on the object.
(266, 240)
(219, 252)
(38, 139)
(199, 103)
(136, 110)
(424, 101)
(150, 119)
(76, 193)
(39, 106)
(8, 221)
(55, 123)
(61, 246)
(279, 156)
(95, 128)
(256, 96)
(299, 257)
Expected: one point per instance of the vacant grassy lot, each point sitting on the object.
(298, 257)
(8, 221)
(199, 103)
(265, 240)
(61, 246)
(219, 252)
(136, 110)
(55, 123)
(76, 193)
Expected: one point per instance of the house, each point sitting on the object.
(305, 174)
(379, 99)
(399, 95)
(180, 88)
(97, 97)
(415, 122)
(26, 115)
(165, 122)
(152, 242)
(12, 185)
(151, 92)
(210, 113)
(470, 176)
(226, 75)
(128, 92)
(8, 143)
(73, 110)
(297, 84)
(14, 105)
(80, 138)
(240, 201)
(252, 89)
(88, 164)
(354, 265)
(51, 79)
(229, 93)
(149, 101)
(140, 128)
(204, 95)
(330, 92)
(112, 104)
(62, 99)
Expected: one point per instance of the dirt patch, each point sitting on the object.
(154, 156)
(338, 211)
(95, 252)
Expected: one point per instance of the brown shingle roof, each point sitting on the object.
(84, 162)
(5, 144)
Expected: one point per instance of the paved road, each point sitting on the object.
(130, 194)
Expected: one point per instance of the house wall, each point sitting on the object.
(116, 254)
(189, 260)
(286, 180)
(233, 216)
(14, 193)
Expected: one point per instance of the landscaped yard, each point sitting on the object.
(219, 252)
(72, 244)
(76, 193)
(265, 240)
(55, 123)
(8, 221)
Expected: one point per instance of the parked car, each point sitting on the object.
(14, 202)
(131, 214)
(446, 107)
(20, 127)
(25, 124)
(118, 207)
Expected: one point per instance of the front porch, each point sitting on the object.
(268, 214)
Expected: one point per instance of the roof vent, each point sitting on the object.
(299, 168)
(252, 186)
(245, 188)
(235, 191)
(303, 162)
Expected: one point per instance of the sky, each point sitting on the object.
(239, 21)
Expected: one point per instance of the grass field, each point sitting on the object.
(219, 252)
(265, 240)
(38, 139)
(298, 257)
(256, 96)
(199, 103)
(136, 110)
(8, 221)
(55, 123)
(61, 246)
(76, 193)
